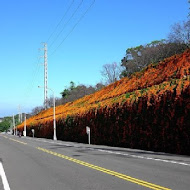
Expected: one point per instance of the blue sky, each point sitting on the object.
(101, 37)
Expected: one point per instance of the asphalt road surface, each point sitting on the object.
(42, 164)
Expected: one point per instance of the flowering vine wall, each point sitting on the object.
(150, 110)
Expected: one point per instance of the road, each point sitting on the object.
(42, 164)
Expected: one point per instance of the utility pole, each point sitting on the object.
(19, 118)
(45, 75)
(24, 126)
(19, 114)
(54, 120)
(14, 124)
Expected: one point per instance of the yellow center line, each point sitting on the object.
(17, 141)
(104, 170)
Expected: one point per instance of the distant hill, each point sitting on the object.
(150, 110)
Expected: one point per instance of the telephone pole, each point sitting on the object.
(14, 125)
(19, 117)
(45, 75)
(24, 126)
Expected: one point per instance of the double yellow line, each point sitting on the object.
(101, 169)
(104, 170)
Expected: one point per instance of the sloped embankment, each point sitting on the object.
(150, 110)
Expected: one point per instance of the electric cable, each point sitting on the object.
(60, 20)
(73, 27)
(66, 23)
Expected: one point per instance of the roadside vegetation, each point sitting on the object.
(147, 110)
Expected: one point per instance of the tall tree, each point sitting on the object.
(111, 72)
(180, 33)
(7, 123)
(74, 92)
(141, 56)
(37, 110)
(66, 92)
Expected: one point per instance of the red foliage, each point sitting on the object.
(149, 110)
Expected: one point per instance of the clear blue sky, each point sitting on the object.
(101, 37)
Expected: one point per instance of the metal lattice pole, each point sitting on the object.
(45, 75)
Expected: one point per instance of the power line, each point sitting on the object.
(31, 84)
(60, 20)
(36, 72)
(66, 23)
(45, 75)
(73, 27)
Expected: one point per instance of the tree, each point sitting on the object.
(180, 33)
(72, 85)
(37, 110)
(5, 124)
(74, 92)
(99, 86)
(66, 92)
(141, 56)
(111, 72)
(69, 94)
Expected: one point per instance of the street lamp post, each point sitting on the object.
(24, 126)
(54, 121)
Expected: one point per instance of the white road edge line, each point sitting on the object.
(124, 154)
(147, 158)
(4, 178)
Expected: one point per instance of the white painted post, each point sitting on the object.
(89, 137)
(33, 132)
(24, 126)
(88, 132)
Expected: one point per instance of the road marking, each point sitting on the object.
(120, 153)
(144, 157)
(104, 170)
(4, 178)
(17, 141)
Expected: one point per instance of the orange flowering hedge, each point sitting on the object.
(150, 110)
